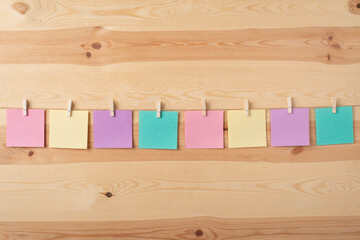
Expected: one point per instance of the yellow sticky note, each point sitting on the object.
(246, 131)
(69, 132)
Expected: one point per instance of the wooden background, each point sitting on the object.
(140, 51)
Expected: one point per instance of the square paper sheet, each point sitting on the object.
(204, 131)
(69, 132)
(334, 128)
(112, 132)
(290, 129)
(158, 133)
(25, 131)
(247, 131)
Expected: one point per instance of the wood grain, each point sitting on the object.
(180, 84)
(179, 51)
(163, 190)
(310, 153)
(329, 228)
(101, 46)
(143, 15)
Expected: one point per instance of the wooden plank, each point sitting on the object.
(305, 228)
(311, 153)
(140, 51)
(163, 190)
(180, 84)
(143, 15)
(101, 46)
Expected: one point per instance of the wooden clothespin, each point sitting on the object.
(333, 104)
(289, 105)
(246, 107)
(69, 108)
(112, 108)
(158, 109)
(203, 106)
(25, 107)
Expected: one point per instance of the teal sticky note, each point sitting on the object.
(158, 133)
(334, 128)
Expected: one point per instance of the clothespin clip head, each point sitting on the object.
(25, 107)
(203, 106)
(289, 105)
(333, 104)
(246, 107)
(69, 108)
(158, 109)
(112, 108)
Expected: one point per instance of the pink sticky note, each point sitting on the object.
(204, 131)
(290, 129)
(25, 131)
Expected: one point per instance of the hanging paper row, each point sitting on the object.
(159, 130)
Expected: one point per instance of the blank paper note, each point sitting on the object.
(204, 131)
(247, 131)
(158, 133)
(68, 132)
(25, 131)
(112, 132)
(334, 128)
(290, 129)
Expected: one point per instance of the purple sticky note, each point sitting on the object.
(290, 129)
(112, 132)
(204, 131)
(25, 131)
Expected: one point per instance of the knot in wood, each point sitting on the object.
(96, 45)
(198, 233)
(20, 7)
